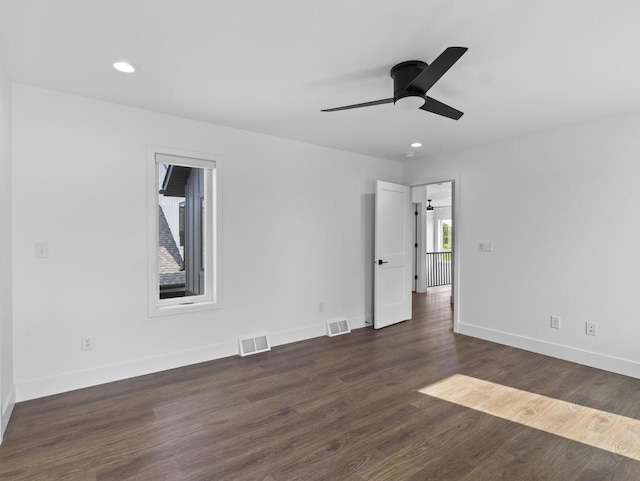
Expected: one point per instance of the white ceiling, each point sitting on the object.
(270, 66)
(440, 194)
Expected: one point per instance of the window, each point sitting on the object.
(184, 231)
(446, 234)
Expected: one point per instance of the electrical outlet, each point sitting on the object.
(592, 329)
(86, 343)
(42, 250)
(555, 322)
(320, 306)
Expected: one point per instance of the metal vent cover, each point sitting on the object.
(336, 328)
(253, 345)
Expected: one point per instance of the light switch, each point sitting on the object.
(42, 250)
(485, 246)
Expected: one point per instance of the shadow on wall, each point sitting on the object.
(367, 211)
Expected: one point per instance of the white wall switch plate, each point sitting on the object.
(485, 246)
(555, 322)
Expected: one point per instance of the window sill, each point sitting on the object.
(177, 309)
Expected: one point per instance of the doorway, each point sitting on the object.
(436, 257)
(398, 227)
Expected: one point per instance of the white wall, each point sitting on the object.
(419, 194)
(431, 231)
(7, 393)
(298, 228)
(561, 208)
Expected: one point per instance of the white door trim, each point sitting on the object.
(458, 231)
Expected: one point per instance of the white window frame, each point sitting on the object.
(212, 298)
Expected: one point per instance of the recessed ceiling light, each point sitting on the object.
(125, 67)
(415, 145)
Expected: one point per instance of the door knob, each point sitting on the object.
(380, 262)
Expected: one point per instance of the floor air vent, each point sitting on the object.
(253, 345)
(335, 328)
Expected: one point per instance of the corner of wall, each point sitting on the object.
(7, 387)
(7, 409)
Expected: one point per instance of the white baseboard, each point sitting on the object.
(626, 367)
(71, 381)
(309, 332)
(360, 322)
(301, 334)
(7, 409)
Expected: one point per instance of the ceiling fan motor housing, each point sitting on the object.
(403, 74)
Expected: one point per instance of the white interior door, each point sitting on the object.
(393, 255)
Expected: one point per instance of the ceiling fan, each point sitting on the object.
(431, 207)
(411, 82)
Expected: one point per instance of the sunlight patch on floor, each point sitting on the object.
(611, 432)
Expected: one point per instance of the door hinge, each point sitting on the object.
(416, 213)
(415, 277)
(415, 245)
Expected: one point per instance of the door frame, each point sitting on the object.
(456, 280)
(420, 260)
(417, 208)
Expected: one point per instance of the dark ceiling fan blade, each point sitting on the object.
(437, 69)
(357, 106)
(437, 107)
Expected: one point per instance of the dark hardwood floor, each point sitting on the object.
(341, 408)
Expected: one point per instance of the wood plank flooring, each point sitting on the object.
(341, 408)
(611, 432)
